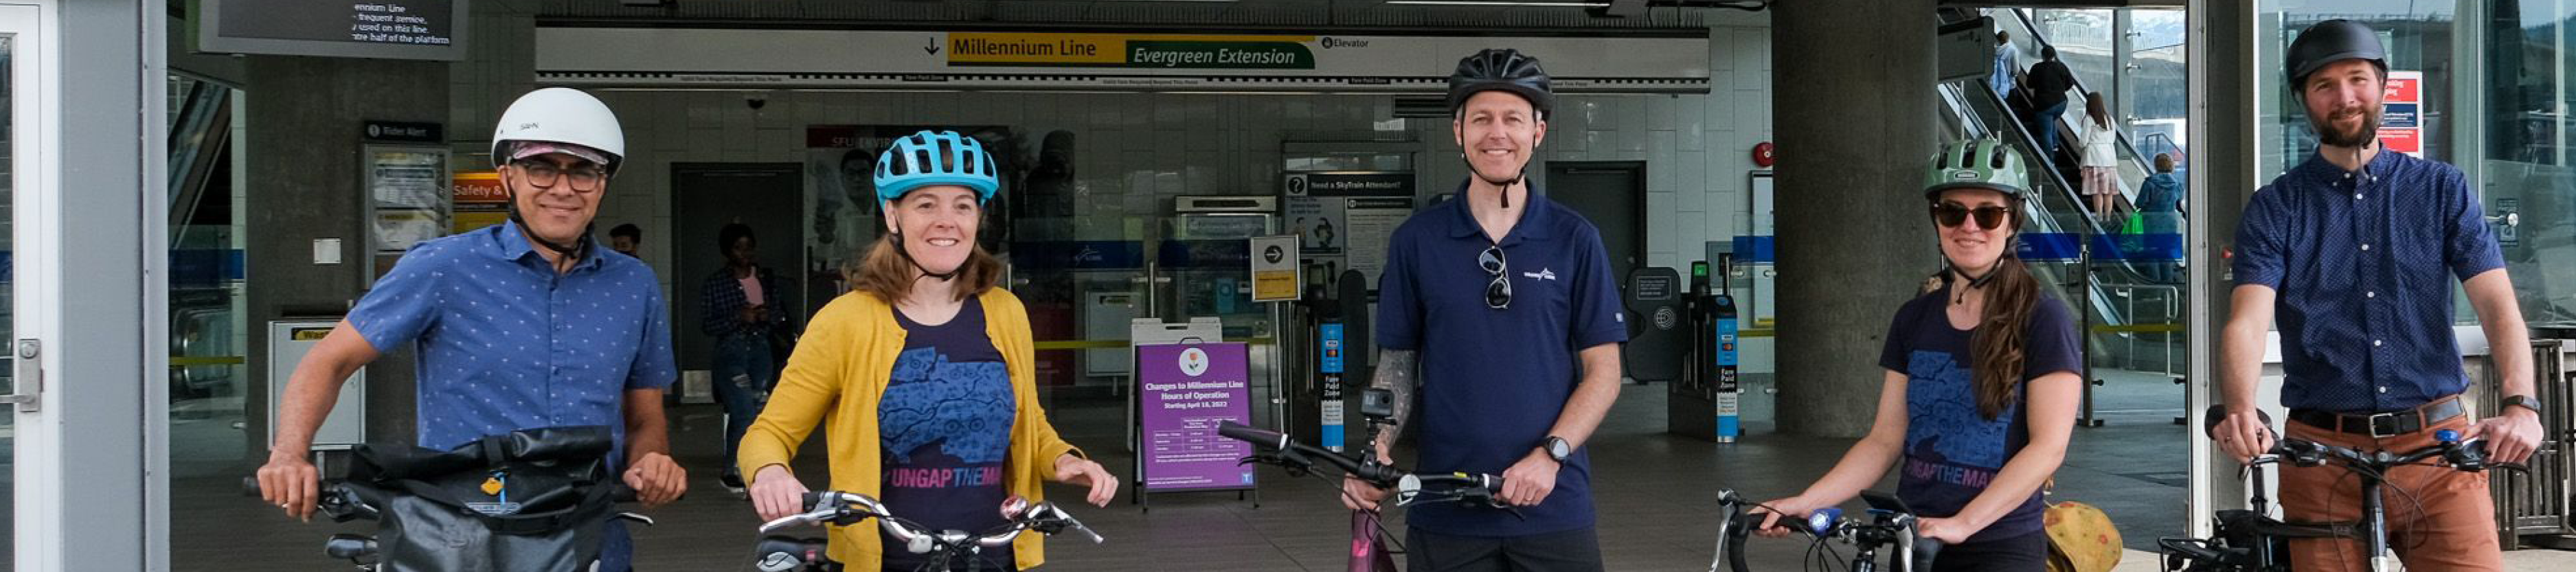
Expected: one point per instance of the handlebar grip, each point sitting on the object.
(1246, 433)
(810, 499)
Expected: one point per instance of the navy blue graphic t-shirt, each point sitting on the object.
(945, 423)
(1952, 451)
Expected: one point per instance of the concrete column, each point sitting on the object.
(1855, 120)
(305, 182)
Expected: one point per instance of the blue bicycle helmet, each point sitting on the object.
(936, 158)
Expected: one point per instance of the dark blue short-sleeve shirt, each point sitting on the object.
(1495, 380)
(2363, 263)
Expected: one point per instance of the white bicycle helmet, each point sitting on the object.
(560, 115)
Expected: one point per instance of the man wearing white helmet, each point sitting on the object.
(520, 325)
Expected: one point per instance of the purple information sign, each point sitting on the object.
(1183, 393)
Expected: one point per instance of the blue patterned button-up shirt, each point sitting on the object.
(2363, 263)
(507, 343)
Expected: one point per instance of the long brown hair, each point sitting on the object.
(2002, 335)
(886, 273)
(2095, 109)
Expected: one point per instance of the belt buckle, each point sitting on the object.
(2383, 425)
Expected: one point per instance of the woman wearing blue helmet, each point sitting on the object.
(925, 373)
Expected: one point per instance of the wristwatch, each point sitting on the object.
(2523, 401)
(1558, 449)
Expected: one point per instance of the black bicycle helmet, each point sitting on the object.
(1500, 69)
(2329, 42)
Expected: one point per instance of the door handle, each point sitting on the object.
(30, 375)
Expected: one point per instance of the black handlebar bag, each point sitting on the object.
(534, 500)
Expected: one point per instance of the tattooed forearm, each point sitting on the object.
(1395, 373)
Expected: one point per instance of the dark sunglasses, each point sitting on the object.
(1498, 293)
(1954, 214)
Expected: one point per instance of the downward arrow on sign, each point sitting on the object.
(933, 47)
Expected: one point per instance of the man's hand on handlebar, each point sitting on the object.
(2511, 437)
(1947, 530)
(292, 484)
(2242, 434)
(657, 480)
(1075, 470)
(1360, 495)
(776, 494)
(1529, 481)
(1779, 515)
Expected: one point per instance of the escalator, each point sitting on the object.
(2106, 284)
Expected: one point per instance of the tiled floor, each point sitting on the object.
(1653, 493)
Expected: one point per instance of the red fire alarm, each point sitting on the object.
(1762, 155)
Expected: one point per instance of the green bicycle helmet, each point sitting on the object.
(1980, 163)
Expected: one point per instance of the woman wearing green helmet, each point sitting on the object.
(925, 373)
(1981, 385)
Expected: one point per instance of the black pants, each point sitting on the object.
(1573, 550)
(2025, 553)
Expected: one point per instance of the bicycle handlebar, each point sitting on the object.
(1915, 551)
(1289, 452)
(840, 508)
(1411, 488)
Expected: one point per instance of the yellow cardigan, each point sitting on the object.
(839, 373)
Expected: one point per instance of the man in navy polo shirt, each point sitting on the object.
(520, 325)
(2356, 248)
(1505, 300)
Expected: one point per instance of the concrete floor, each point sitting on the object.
(1653, 492)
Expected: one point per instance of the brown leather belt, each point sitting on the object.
(2379, 425)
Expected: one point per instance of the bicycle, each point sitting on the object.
(1888, 522)
(538, 532)
(779, 553)
(2251, 540)
(1369, 539)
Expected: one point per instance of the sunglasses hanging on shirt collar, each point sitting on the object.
(1498, 293)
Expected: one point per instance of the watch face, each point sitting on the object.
(1556, 447)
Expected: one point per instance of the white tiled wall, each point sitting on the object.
(1697, 147)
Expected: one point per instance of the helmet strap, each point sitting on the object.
(1974, 282)
(906, 253)
(1506, 184)
(580, 247)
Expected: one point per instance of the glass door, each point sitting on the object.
(17, 24)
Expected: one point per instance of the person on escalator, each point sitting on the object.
(2049, 80)
(2100, 161)
(1981, 382)
(2160, 210)
(924, 375)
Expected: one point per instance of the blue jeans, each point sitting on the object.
(744, 369)
(2044, 126)
(616, 549)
